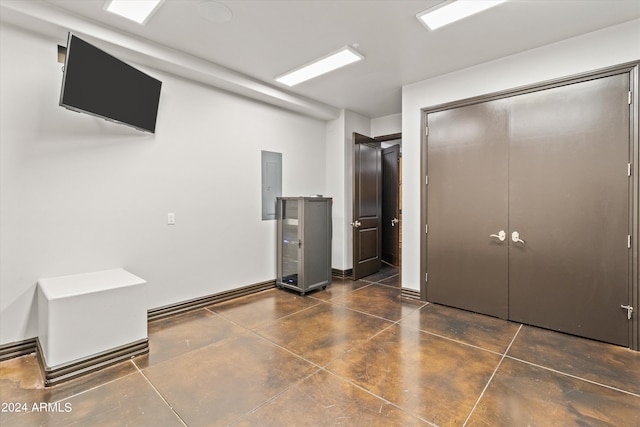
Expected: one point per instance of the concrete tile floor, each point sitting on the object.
(355, 354)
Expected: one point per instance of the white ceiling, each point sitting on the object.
(266, 38)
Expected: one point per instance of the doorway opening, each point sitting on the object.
(392, 202)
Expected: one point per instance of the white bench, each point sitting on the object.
(87, 321)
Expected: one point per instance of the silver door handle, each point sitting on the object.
(394, 221)
(500, 236)
(356, 224)
(629, 310)
(515, 237)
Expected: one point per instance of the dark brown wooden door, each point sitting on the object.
(569, 202)
(367, 206)
(467, 155)
(391, 205)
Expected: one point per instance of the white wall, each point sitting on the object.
(386, 125)
(360, 124)
(81, 194)
(340, 181)
(610, 46)
(336, 187)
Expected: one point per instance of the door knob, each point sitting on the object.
(356, 224)
(500, 236)
(515, 237)
(394, 221)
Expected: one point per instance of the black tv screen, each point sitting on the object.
(97, 83)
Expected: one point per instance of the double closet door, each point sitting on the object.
(528, 208)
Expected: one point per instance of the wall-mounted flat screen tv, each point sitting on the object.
(97, 83)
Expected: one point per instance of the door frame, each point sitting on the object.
(633, 68)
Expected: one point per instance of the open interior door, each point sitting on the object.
(391, 205)
(367, 206)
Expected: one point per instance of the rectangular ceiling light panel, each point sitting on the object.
(333, 61)
(452, 11)
(136, 10)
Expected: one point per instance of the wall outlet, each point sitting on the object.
(171, 218)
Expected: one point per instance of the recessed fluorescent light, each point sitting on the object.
(136, 10)
(452, 11)
(333, 61)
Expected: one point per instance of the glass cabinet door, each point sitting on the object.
(290, 242)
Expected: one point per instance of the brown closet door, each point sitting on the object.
(466, 204)
(569, 201)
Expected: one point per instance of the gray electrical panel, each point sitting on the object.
(303, 243)
(271, 183)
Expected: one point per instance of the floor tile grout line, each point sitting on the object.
(233, 322)
(226, 318)
(160, 394)
(456, 341)
(255, 333)
(337, 296)
(256, 330)
(368, 285)
(390, 325)
(304, 359)
(299, 356)
(344, 305)
(546, 368)
(328, 371)
(325, 369)
(377, 333)
(491, 378)
(320, 302)
(211, 308)
(339, 304)
(364, 279)
(258, 334)
(379, 284)
(99, 385)
(222, 316)
(389, 286)
(397, 322)
(377, 396)
(387, 278)
(270, 322)
(278, 394)
(370, 314)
